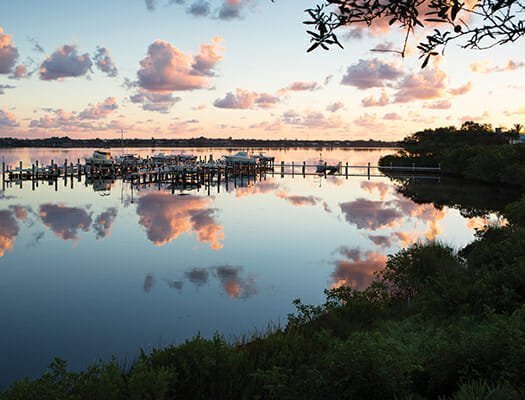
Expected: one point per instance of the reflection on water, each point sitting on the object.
(102, 269)
(8, 230)
(65, 222)
(165, 217)
(357, 268)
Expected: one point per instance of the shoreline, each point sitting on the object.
(66, 142)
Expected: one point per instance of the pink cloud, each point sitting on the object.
(335, 106)
(372, 101)
(166, 68)
(371, 73)
(155, 101)
(303, 86)
(311, 119)
(380, 240)
(392, 116)
(99, 110)
(461, 90)
(367, 121)
(104, 62)
(8, 53)
(65, 62)
(486, 67)
(427, 84)
(7, 119)
(19, 72)
(246, 100)
(439, 105)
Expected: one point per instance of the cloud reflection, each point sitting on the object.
(65, 222)
(8, 230)
(198, 276)
(371, 187)
(358, 268)
(166, 217)
(233, 283)
(297, 200)
(149, 282)
(258, 188)
(104, 221)
(231, 278)
(368, 214)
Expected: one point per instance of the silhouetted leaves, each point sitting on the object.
(497, 24)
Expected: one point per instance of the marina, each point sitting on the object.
(185, 169)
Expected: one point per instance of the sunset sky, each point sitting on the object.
(220, 68)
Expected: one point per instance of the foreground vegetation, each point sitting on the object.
(435, 323)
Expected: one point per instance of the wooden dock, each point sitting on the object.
(190, 173)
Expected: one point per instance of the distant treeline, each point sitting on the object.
(193, 142)
(474, 152)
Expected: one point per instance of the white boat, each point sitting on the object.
(322, 167)
(185, 157)
(127, 159)
(240, 158)
(100, 158)
(264, 159)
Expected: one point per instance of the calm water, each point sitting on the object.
(85, 274)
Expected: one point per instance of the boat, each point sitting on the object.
(240, 158)
(100, 158)
(264, 159)
(323, 168)
(185, 157)
(128, 159)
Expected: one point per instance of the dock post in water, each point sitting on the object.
(293, 169)
(20, 174)
(346, 170)
(368, 171)
(282, 169)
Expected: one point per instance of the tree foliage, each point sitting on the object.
(474, 24)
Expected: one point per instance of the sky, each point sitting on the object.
(233, 68)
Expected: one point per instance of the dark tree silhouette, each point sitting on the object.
(475, 24)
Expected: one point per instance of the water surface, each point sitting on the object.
(85, 273)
